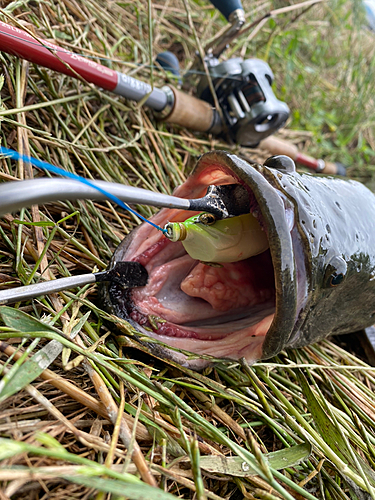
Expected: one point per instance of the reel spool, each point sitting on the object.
(251, 110)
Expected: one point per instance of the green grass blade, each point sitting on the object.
(130, 491)
(235, 466)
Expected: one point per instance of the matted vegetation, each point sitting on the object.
(108, 420)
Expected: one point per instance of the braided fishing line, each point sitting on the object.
(14, 155)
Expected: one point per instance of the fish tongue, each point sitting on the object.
(224, 288)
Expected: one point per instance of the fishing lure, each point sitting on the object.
(210, 240)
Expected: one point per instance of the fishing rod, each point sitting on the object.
(172, 104)
(250, 110)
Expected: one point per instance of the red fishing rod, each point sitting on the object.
(250, 109)
(26, 46)
(171, 104)
(278, 146)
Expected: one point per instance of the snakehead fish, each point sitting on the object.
(310, 275)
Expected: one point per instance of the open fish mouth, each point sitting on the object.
(233, 310)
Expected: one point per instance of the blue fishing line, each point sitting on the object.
(60, 171)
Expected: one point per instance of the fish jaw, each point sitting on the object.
(241, 310)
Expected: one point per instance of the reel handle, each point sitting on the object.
(226, 7)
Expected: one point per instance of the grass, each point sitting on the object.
(109, 420)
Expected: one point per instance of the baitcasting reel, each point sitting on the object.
(251, 110)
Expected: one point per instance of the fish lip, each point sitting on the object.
(280, 240)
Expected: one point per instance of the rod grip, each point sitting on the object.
(190, 112)
(334, 168)
(279, 147)
(226, 7)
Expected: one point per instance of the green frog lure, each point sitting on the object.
(210, 240)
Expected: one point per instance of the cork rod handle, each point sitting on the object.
(190, 112)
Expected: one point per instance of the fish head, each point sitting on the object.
(250, 308)
(333, 244)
